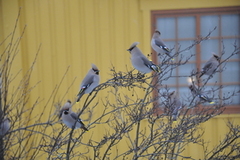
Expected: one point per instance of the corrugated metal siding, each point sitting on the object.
(77, 33)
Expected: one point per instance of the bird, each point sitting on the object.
(5, 126)
(158, 45)
(140, 61)
(175, 104)
(202, 96)
(70, 118)
(210, 66)
(90, 82)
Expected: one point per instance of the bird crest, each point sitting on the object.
(157, 31)
(133, 46)
(217, 57)
(95, 69)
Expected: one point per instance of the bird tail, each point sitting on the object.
(80, 94)
(205, 98)
(155, 68)
(174, 117)
(202, 73)
(84, 128)
(82, 125)
(167, 50)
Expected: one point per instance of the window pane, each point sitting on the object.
(187, 54)
(186, 27)
(183, 93)
(229, 48)
(167, 27)
(208, 23)
(163, 95)
(232, 72)
(230, 25)
(184, 71)
(213, 80)
(228, 90)
(211, 94)
(208, 47)
(167, 78)
(181, 30)
(170, 45)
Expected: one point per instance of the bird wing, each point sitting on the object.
(207, 66)
(177, 107)
(75, 117)
(160, 44)
(146, 62)
(150, 65)
(205, 98)
(86, 83)
(177, 104)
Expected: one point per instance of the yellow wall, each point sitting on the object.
(77, 33)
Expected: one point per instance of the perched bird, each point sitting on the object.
(70, 118)
(5, 126)
(202, 96)
(176, 105)
(158, 45)
(140, 62)
(211, 65)
(90, 82)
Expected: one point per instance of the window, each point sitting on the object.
(180, 28)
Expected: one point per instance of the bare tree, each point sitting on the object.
(136, 113)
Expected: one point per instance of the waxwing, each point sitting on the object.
(176, 105)
(158, 45)
(5, 126)
(70, 118)
(140, 61)
(210, 66)
(90, 82)
(201, 95)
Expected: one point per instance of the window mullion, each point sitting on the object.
(198, 47)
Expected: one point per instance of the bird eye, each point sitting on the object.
(96, 71)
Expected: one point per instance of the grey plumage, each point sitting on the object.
(90, 82)
(5, 126)
(158, 45)
(176, 105)
(140, 61)
(70, 118)
(210, 66)
(201, 95)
